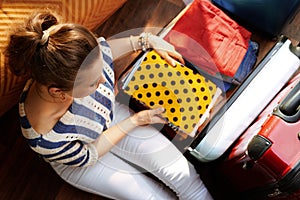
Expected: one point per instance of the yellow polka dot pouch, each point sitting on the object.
(186, 95)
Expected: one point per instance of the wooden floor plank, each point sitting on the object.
(140, 14)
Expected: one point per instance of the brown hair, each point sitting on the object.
(49, 51)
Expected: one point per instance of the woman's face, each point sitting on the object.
(88, 78)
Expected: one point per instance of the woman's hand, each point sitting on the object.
(165, 49)
(145, 117)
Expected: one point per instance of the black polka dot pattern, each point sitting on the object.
(183, 93)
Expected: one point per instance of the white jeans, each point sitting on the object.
(147, 148)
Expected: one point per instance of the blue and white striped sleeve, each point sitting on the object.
(66, 148)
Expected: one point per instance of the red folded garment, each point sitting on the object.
(210, 39)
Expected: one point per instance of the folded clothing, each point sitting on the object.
(248, 62)
(210, 39)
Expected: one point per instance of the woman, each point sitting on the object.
(70, 117)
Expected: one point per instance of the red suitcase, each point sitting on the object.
(265, 162)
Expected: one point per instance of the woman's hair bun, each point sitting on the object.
(26, 38)
(48, 51)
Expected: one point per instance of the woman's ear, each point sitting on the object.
(53, 91)
(57, 93)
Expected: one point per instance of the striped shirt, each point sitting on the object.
(69, 142)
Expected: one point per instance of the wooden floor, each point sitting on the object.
(25, 176)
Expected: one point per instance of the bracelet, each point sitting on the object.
(132, 44)
(143, 41)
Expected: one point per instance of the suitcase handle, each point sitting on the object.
(257, 147)
(289, 108)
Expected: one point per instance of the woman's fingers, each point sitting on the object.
(152, 116)
(164, 54)
(165, 50)
(155, 115)
(157, 111)
(170, 56)
(177, 56)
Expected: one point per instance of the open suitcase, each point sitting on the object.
(265, 162)
(244, 104)
(255, 91)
